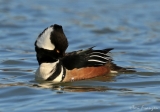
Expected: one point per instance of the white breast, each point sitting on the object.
(45, 70)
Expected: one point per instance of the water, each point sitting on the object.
(132, 27)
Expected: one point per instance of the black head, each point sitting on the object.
(52, 42)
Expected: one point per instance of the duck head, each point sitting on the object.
(51, 44)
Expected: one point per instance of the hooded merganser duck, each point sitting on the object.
(57, 66)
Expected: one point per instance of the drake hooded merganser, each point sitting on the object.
(57, 66)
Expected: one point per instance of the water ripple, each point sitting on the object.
(130, 27)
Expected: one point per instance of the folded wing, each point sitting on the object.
(86, 58)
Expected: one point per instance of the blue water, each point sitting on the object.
(131, 27)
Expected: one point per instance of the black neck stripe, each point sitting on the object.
(56, 73)
(64, 73)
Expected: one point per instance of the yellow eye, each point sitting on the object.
(57, 51)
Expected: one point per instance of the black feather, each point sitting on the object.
(80, 59)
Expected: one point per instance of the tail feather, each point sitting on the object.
(117, 69)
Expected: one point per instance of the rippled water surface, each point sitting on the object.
(132, 27)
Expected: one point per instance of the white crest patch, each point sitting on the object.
(44, 40)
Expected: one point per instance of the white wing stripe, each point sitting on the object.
(98, 53)
(106, 58)
(96, 61)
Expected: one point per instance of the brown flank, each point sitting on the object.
(85, 73)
